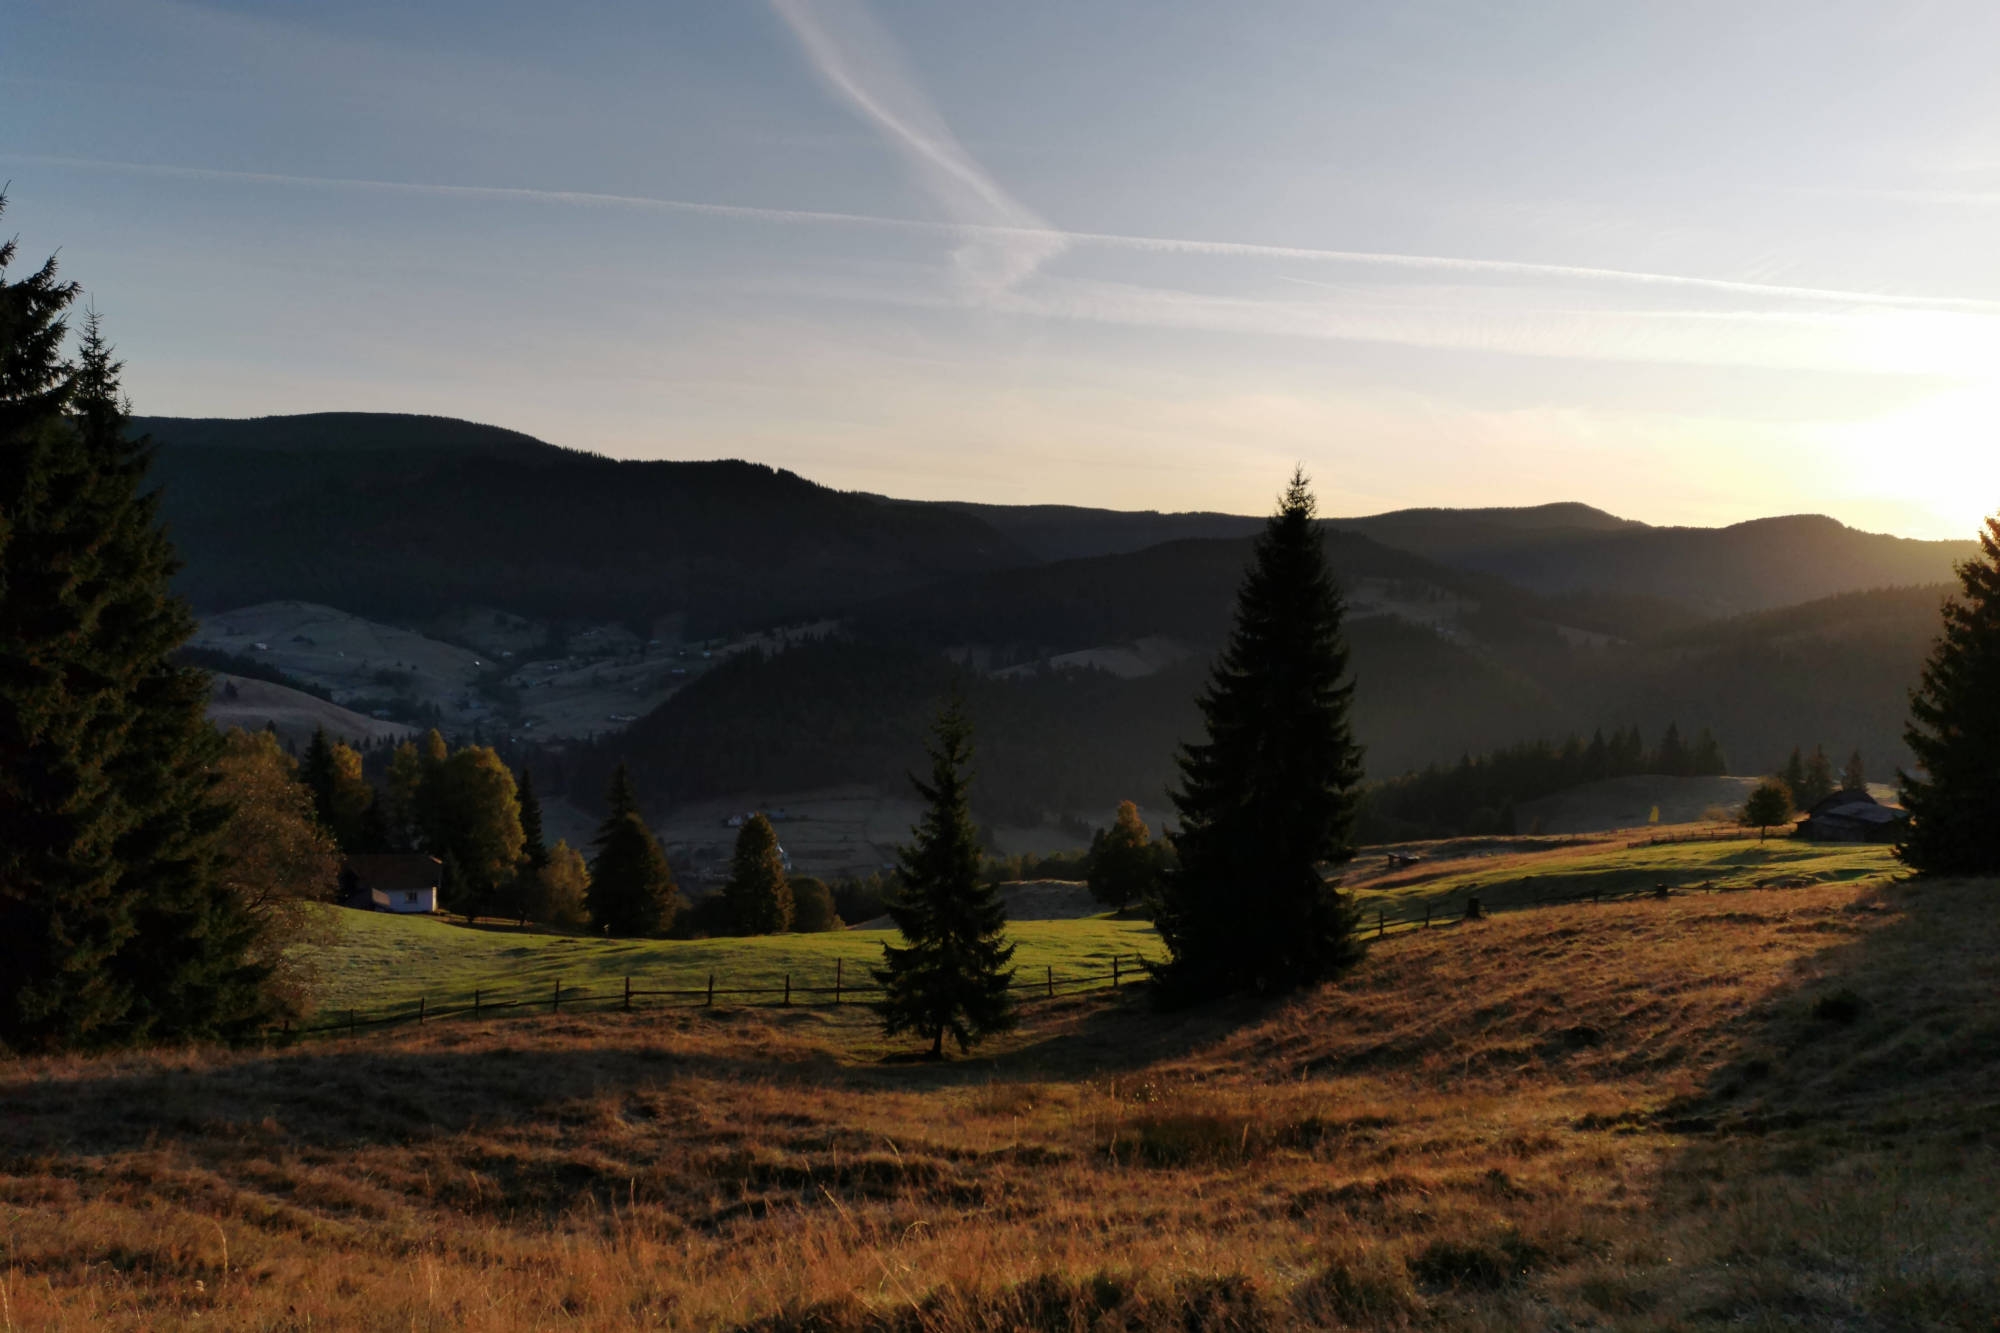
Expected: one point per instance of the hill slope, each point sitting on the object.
(1764, 1109)
(400, 518)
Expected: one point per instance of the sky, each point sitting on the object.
(1690, 263)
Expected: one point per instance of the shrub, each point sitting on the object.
(1842, 1006)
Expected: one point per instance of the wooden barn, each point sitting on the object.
(391, 882)
(1852, 816)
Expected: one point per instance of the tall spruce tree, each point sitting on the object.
(950, 976)
(1271, 795)
(1854, 777)
(534, 844)
(758, 897)
(632, 890)
(62, 916)
(1954, 732)
(189, 962)
(114, 924)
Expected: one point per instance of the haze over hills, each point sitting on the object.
(1470, 629)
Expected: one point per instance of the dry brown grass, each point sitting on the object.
(1765, 1109)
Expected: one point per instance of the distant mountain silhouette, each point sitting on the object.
(402, 517)
(1753, 566)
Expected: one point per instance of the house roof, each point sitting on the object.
(1856, 807)
(396, 872)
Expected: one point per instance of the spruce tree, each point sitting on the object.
(632, 891)
(189, 963)
(1819, 780)
(950, 975)
(1793, 775)
(114, 922)
(1123, 864)
(62, 917)
(1954, 795)
(759, 899)
(1271, 794)
(1673, 759)
(1854, 777)
(534, 847)
(1708, 758)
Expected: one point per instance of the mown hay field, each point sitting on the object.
(1766, 1108)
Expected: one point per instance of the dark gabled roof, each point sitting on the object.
(396, 872)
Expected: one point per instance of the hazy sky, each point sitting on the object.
(1689, 262)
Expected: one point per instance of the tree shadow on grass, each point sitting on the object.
(1840, 1167)
(459, 1076)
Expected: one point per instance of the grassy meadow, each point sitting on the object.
(1770, 1108)
(382, 962)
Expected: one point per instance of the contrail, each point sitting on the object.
(1109, 240)
(858, 61)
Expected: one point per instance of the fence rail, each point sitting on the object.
(560, 998)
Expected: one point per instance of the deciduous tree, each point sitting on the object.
(1124, 865)
(1770, 804)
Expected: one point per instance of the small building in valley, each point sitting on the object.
(1852, 816)
(391, 882)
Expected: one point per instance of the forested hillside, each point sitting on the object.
(404, 517)
(1472, 630)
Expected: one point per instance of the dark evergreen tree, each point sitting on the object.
(114, 924)
(534, 846)
(62, 917)
(632, 890)
(1793, 775)
(950, 975)
(1673, 759)
(1708, 759)
(1954, 795)
(317, 772)
(1818, 784)
(1271, 795)
(1854, 777)
(758, 897)
(189, 961)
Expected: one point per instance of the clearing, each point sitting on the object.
(1764, 1108)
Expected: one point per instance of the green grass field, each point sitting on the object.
(384, 962)
(1519, 873)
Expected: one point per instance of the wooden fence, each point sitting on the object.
(484, 1003)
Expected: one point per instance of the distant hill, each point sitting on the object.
(1754, 566)
(409, 517)
(238, 701)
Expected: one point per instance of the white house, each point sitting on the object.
(391, 882)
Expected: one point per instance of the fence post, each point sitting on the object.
(1380, 925)
(422, 1004)
(711, 990)
(1427, 916)
(1114, 971)
(1052, 982)
(475, 1001)
(628, 993)
(555, 1002)
(788, 990)
(836, 981)
(350, 1023)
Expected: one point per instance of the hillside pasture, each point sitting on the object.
(1507, 873)
(386, 962)
(1767, 1109)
